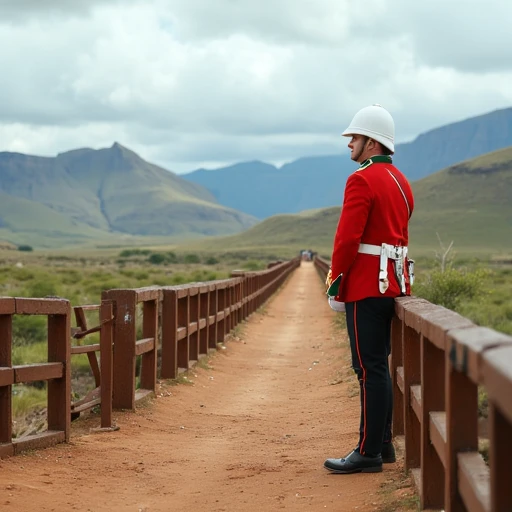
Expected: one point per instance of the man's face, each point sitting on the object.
(358, 148)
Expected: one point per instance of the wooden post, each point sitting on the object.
(169, 368)
(106, 361)
(213, 308)
(221, 305)
(499, 458)
(59, 390)
(184, 322)
(412, 376)
(124, 347)
(204, 309)
(149, 330)
(193, 323)
(397, 331)
(245, 294)
(461, 400)
(7, 308)
(432, 400)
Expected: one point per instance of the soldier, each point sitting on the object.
(369, 268)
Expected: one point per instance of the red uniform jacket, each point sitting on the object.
(374, 212)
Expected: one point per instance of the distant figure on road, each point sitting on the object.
(369, 268)
(306, 255)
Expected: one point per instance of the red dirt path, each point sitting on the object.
(250, 432)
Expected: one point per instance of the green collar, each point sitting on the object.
(378, 159)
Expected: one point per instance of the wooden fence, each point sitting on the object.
(438, 361)
(178, 326)
(56, 371)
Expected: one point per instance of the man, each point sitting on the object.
(370, 263)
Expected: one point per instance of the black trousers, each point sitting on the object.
(369, 330)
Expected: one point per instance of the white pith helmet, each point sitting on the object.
(374, 122)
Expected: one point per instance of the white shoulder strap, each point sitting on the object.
(403, 193)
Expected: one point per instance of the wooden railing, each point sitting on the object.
(438, 361)
(180, 324)
(194, 318)
(56, 371)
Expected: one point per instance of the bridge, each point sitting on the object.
(271, 396)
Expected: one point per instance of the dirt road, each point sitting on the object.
(250, 431)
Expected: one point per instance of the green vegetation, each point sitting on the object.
(451, 288)
(127, 253)
(26, 399)
(477, 289)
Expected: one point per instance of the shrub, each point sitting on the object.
(203, 275)
(157, 258)
(41, 289)
(211, 261)
(254, 265)
(27, 330)
(191, 258)
(25, 248)
(22, 274)
(95, 288)
(171, 257)
(127, 253)
(451, 287)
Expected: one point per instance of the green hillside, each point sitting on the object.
(18, 214)
(469, 203)
(90, 194)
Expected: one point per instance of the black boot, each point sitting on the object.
(388, 453)
(354, 463)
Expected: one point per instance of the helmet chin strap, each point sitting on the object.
(356, 158)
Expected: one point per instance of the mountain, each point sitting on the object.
(468, 203)
(456, 142)
(263, 190)
(85, 193)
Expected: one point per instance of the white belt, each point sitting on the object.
(387, 251)
(393, 252)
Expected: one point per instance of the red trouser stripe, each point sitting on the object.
(361, 447)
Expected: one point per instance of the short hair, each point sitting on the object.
(385, 150)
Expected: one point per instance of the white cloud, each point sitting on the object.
(191, 81)
(23, 10)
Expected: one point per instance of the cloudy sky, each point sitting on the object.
(190, 83)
